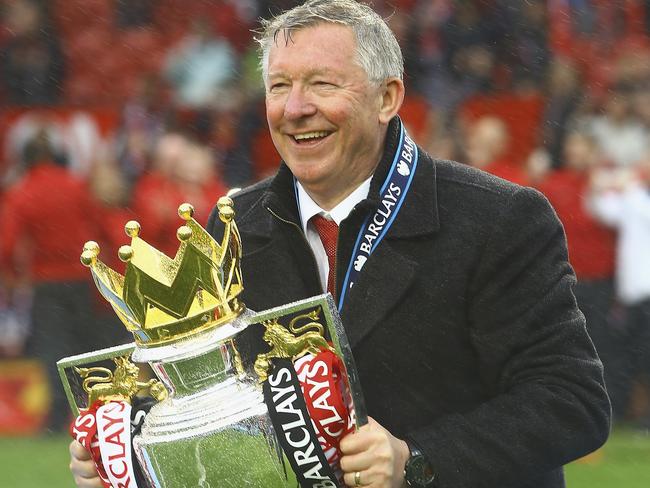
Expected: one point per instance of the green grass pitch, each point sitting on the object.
(39, 462)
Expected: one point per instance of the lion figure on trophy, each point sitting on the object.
(291, 343)
(121, 385)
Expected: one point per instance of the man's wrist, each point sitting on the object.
(404, 454)
(418, 472)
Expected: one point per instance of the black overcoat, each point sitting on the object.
(463, 324)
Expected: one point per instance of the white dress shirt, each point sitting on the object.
(308, 208)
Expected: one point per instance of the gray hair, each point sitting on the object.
(378, 52)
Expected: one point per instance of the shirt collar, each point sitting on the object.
(308, 207)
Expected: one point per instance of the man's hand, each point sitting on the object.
(376, 454)
(83, 468)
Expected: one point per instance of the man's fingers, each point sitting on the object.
(88, 483)
(362, 439)
(83, 468)
(354, 479)
(356, 462)
(354, 443)
(373, 457)
(78, 451)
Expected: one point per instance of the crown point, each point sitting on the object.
(184, 233)
(125, 253)
(132, 228)
(226, 211)
(224, 202)
(88, 257)
(185, 211)
(226, 214)
(92, 247)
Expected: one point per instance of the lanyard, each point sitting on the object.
(392, 195)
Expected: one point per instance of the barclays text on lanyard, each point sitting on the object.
(391, 197)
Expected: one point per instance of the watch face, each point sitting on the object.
(419, 472)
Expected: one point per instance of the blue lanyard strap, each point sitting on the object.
(392, 195)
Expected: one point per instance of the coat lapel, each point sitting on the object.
(280, 248)
(390, 270)
(378, 290)
(282, 282)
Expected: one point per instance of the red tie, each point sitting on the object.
(328, 231)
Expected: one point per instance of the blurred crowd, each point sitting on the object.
(162, 102)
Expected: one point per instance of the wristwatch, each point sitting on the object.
(418, 472)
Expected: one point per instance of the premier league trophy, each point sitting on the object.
(241, 398)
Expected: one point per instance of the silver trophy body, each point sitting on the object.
(214, 428)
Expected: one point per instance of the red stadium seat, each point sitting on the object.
(71, 14)
(416, 114)
(87, 44)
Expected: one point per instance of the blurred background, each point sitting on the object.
(118, 109)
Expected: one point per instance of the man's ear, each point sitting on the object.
(392, 96)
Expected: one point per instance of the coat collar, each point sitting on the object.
(389, 273)
(417, 217)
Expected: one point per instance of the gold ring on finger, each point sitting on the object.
(357, 478)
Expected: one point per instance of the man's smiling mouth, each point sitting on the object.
(310, 137)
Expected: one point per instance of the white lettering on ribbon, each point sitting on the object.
(114, 434)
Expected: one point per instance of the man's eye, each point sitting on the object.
(277, 87)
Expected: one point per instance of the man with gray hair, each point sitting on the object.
(453, 285)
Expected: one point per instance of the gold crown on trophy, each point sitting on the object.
(162, 300)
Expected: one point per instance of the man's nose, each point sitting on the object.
(298, 104)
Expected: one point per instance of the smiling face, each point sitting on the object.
(327, 120)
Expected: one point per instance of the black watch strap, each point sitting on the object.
(418, 471)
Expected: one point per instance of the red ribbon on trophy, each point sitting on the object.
(328, 400)
(84, 430)
(105, 431)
